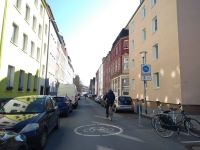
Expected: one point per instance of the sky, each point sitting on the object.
(89, 28)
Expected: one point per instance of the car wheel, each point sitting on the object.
(67, 113)
(57, 124)
(43, 140)
(23, 148)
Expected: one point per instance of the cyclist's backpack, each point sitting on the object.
(167, 122)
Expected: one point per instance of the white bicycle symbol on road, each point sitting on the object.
(98, 130)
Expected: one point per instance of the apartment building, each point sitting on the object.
(99, 81)
(21, 45)
(119, 64)
(2, 8)
(115, 66)
(106, 73)
(92, 86)
(31, 50)
(168, 33)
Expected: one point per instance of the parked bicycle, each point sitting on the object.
(156, 116)
(168, 122)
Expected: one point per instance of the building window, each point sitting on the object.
(32, 48)
(143, 12)
(125, 44)
(156, 80)
(35, 83)
(38, 54)
(40, 31)
(21, 80)
(125, 63)
(43, 69)
(15, 32)
(143, 34)
(27, 14)
(34, 23)
(41, 10)
(119, 62)
(155, 52)
(29, 82)
(115, 66)
(154, 24)
(18, 4)
(153, 2)
(125, 82)
(46, 29)
(116, 50)
(45, 46)
(10, 77)
(25, 42)
(36, 3)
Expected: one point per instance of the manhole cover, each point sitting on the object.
(98, 130)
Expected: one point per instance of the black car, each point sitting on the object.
(33, 116)
(12, 141)
(64, 105)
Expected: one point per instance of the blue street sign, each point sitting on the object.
(145, 69)
(145, 72)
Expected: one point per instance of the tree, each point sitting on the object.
(78, 83)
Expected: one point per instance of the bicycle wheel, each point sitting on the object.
(193, 127)
(162, 131)
(153, 120)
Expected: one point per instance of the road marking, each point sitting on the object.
(130, 138)
(98, 129)
(103, 148)
(189, 142)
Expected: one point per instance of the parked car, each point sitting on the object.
(123, 103)
(98, 99)
(103, 101)
(33, 116)
(69, 90)
(64, 105)
(12, 141)
(89, 95)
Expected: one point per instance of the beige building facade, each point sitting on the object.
(168, 31)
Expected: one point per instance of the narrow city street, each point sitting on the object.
(88, 128)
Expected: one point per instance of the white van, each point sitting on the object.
(69, 90)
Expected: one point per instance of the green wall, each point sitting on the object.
(6, 94)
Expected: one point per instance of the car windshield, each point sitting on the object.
(23, 105)
(59, 99)
(125, 100)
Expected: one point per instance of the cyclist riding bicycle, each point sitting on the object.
(110, 98)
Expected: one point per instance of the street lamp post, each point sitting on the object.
(143, 55)
(46, 89)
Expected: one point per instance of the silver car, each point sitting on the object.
(123, 103)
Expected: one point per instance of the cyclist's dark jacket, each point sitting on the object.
(110, 97)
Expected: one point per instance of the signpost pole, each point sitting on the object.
(144, 69)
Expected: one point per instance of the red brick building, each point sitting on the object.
(115, 66)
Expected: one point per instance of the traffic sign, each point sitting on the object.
(145, 72)
(146, 78)
(145, 69)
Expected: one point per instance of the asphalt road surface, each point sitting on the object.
(87, 128)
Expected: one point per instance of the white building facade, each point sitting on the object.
(30, 50)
